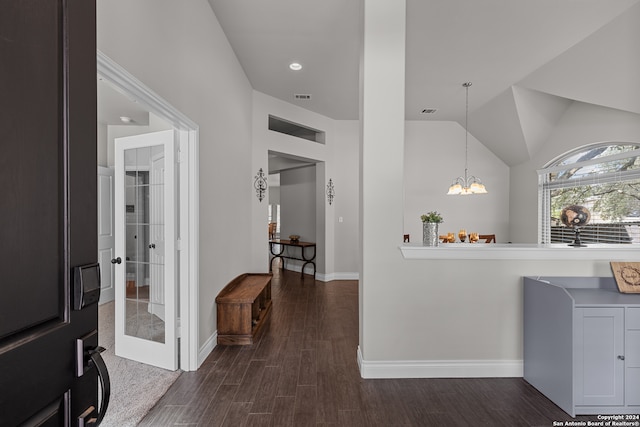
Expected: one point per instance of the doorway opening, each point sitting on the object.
(296, 201)
(186, 131)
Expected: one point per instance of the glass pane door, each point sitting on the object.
(146, 295)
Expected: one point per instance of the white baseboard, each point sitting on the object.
(337, 276)
(328, 277)
(107, 295)
(207, 348)
(439, 368)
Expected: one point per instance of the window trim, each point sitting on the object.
(545, 185)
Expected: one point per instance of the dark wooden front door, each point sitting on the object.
(48, 222)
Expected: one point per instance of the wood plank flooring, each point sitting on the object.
(302, 371)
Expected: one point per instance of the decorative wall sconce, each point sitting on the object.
(260, 184)
(330, 191)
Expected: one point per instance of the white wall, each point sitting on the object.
(265, 140)
(458, 318)
(421, 318)
(464, 317)
(324, 229)
(382, 297)
(346, 153)
(298, 209)
(274, 194)
(179, 50)
(433, 159)
(337, 159)
(298, 203)
(582, 124)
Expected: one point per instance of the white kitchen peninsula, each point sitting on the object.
(509, 251)
(456, 310)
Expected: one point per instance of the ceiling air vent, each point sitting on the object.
(429, 111)
(305, 96)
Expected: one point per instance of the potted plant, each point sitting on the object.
(430, 223)
(433, 217)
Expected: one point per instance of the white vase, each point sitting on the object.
(430, 234)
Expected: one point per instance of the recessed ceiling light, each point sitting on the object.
(125, 119)
(295, 66)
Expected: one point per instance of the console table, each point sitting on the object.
(283, 244)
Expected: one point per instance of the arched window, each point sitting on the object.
(605, 178)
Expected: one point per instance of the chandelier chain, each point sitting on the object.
(466, 132)
(468, 184)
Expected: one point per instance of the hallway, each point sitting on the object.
(303, 372)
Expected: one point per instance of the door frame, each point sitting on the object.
(188, 189)
(107, 293)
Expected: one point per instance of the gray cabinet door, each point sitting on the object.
(632, 357)
(599, 356)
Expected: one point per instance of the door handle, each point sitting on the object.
(87, 357)
(87, 418)
(95, 359)
(152, 246)
(116, 260)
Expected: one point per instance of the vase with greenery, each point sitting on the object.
(430, 223)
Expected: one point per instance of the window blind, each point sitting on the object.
(596, 177)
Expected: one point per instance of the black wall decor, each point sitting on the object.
(260, 184)
(330, 191)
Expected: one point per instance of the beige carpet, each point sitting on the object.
(135, 387)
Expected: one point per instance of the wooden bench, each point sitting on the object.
(243, 306)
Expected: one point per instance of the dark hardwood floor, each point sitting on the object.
(303, 372)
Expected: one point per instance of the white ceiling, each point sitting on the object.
(528, 60)
(519, 54)
(113, 104)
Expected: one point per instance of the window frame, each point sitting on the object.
(546, 184)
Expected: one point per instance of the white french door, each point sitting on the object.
(145, 255)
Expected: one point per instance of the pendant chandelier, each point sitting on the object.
(463, 186)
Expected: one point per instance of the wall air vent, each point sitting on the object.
(428, 111)
(287, 127)
(305, 96)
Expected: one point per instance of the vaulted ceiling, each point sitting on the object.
(528, 60)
